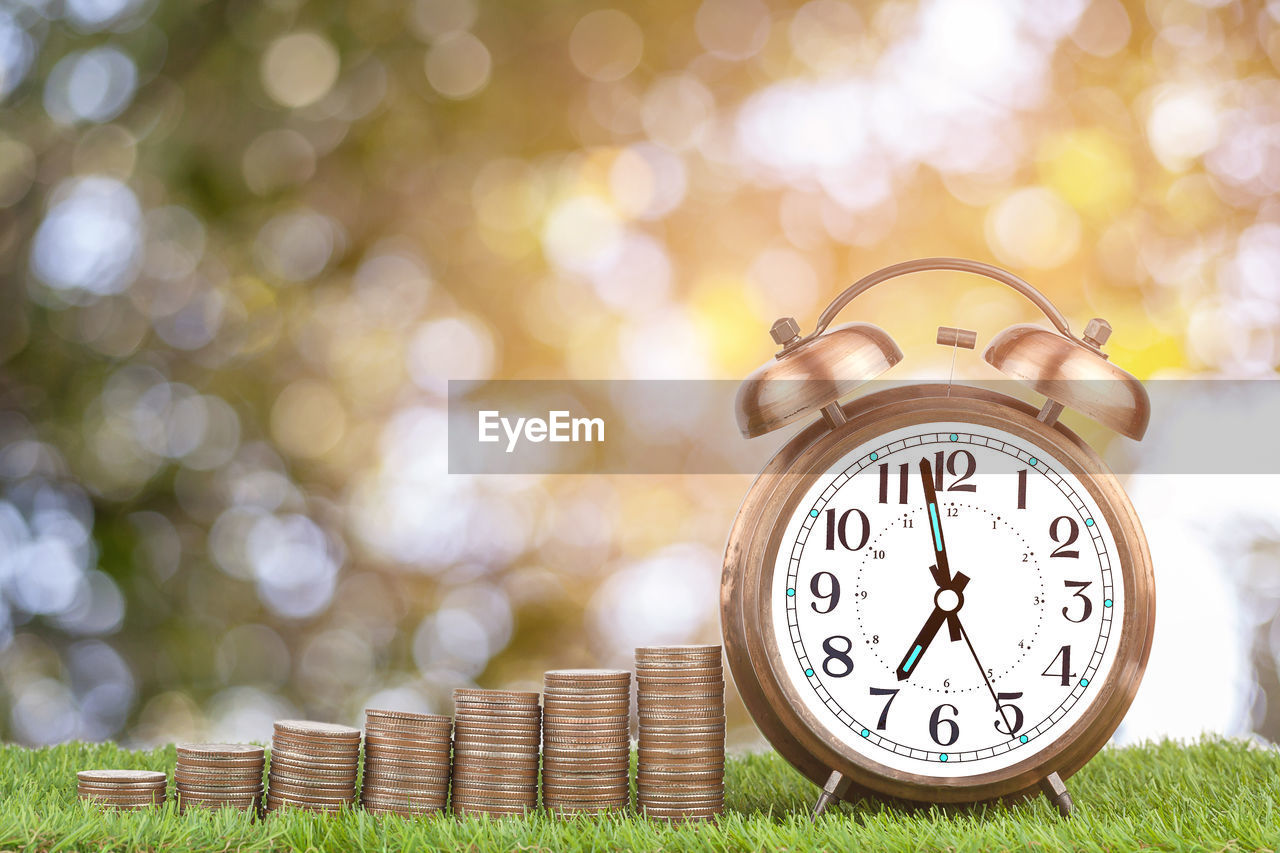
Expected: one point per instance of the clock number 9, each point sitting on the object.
(832, 596)
(840, 655)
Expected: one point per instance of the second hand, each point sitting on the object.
(987, 681)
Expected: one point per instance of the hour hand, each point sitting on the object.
(921, 642)
(947, 602)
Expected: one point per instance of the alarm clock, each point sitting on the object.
(937, 593)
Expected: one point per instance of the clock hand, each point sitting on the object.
(939, 615)
(986, 680)
(941, 569)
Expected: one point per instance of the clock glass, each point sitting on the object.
(947, 599)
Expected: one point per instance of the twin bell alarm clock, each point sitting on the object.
(937, 593)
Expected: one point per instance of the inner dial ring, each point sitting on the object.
(990, 551)
(857, 574)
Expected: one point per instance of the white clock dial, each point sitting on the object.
(955, 637)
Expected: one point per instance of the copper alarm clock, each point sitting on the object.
(937, 593)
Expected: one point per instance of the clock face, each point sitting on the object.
(946, 599)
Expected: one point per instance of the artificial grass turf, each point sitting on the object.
(1214, 795)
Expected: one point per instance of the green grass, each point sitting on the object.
(1216, 795)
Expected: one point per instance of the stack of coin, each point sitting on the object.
(406, 762)
(496, 736)
(586, 740)
(213, 775)
(313, 766)
(680, 700)
(122, 789)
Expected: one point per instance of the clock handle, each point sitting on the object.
(994, 273)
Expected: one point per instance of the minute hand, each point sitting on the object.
(941, 568)
(942, 572)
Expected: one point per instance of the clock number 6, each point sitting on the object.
(936, 722)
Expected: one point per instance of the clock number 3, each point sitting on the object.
(1079, 587)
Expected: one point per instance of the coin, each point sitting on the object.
(130, 796)
(406, 718)
(321, 731)
(220, 751)
(320, 749)
(122, 777)
(403, 805)
(425, 742)
(478, 694)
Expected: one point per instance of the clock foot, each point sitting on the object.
(837, 786)
(1056, 792)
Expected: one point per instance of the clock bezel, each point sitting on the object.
(750, 557)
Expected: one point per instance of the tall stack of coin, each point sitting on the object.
(406, 762)
(680, 699)
(496, 736)
(586, 747)
(313, 766)
(213, 775)
(122, 789)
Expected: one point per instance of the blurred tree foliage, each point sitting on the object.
(244, 245)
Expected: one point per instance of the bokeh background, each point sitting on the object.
(244, 245)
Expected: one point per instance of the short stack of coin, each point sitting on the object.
(680, 702)
(496, 738)
(313, 766)
(213, 775)
(406, 762)
(122, 789)
(586, 746)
